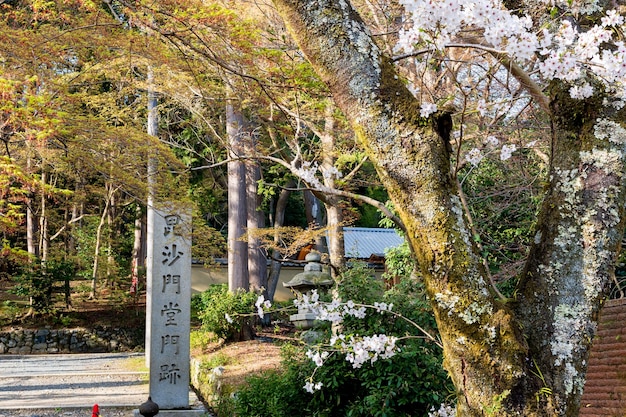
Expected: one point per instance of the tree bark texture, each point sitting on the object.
(332, 203)
(138, 263)
(571, 263)
(257, 262)
(31, 224)
(523, 357)
(237, 209)
(43, 217)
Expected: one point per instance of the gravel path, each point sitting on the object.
(69, 385)
(75, 412)
(60, 381)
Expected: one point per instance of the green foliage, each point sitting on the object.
(14, 185)
(85, 237)
(215, 360)
(214, 304)
(505, 211)
(274, 394)
(198, 339)
(408, 384)
(359, 284)
(9, 310)
(38, 280)
(370, 216)
(295, 213)
(208, 243)
(278, 393)
(399, 262)
(11, 260)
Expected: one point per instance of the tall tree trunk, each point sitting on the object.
(257, 262)
(138, 262)
(580, 228)
(332, 203)
(111, 214)
(31, 223)
(237, 209)
(31, 228)
(96, 256)
(279, 221)
(153, 130)
(77, 212)
(43, 218)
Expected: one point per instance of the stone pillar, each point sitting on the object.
(168, 303)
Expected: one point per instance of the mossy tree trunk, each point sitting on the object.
(571, 263)
(505, 358)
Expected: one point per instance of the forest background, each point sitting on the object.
(234, 95)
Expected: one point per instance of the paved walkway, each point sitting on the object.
(74, 380)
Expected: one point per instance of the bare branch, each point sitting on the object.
(514, 69)
(64, 226)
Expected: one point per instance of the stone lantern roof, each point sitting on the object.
(313, 277)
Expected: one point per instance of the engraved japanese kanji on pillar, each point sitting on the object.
(168, 305)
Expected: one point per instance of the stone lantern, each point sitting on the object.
(303, 283)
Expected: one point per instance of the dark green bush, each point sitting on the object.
(273, 393)
(38, 282)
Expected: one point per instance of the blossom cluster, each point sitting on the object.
(260, 304)
(333, 311)
(317, 357)
(311, 387)
(506, 151)
(307, 172)
(427, 109)
(445, 410)
(357, 349)
(438, 22)
(568, 53)
(369, 348)
(475, 155)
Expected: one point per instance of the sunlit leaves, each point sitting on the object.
(14, 189)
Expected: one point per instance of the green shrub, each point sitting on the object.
(200, 338)
(214, 305)
(38, 280)
(271, 394)
(408, 384)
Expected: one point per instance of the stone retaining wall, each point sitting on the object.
(96, 340)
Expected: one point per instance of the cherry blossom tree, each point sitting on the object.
(507, 357)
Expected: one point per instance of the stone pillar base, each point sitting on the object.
(193, 412)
